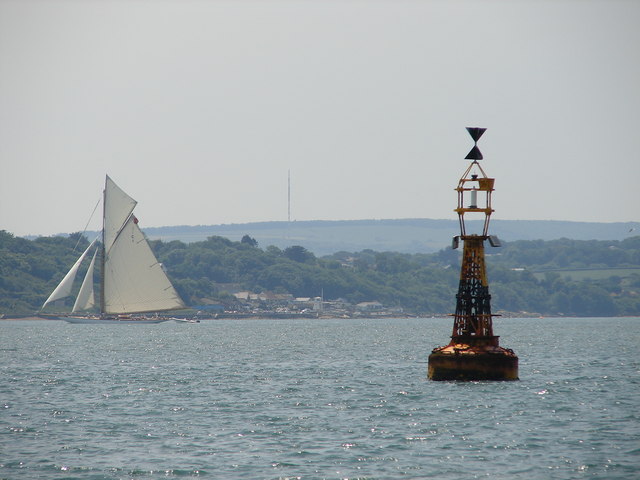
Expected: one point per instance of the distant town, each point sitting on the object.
(285, 305)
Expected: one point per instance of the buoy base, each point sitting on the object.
(466, 362)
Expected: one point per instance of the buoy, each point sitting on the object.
(474, 352)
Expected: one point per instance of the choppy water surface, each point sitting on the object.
(310, 399)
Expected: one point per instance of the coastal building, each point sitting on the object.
(367, 307)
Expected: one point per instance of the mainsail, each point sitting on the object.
(64, 287)
(134, 280)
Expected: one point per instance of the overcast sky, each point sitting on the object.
(198, 109)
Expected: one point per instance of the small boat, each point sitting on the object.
(133, 282)
(185, 320)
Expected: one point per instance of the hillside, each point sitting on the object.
(402, 235)
(324, 237)
(559, 277)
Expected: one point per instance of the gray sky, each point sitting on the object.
(198, 109)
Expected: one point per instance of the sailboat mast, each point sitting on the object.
(102, 249)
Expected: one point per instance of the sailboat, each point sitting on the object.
(133, 282)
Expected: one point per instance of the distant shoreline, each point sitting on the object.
(404, 235)
(327, 317)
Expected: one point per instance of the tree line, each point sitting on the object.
(524, 276)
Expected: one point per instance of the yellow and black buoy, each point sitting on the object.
(474, 352)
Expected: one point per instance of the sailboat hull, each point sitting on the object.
(112, 321)
(104, 321)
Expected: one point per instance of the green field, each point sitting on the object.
(591, 273)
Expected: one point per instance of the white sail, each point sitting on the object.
(86, 298)
(134, 281)
(117, 208)
(64, 287)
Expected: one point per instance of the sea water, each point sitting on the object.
(314, 399)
